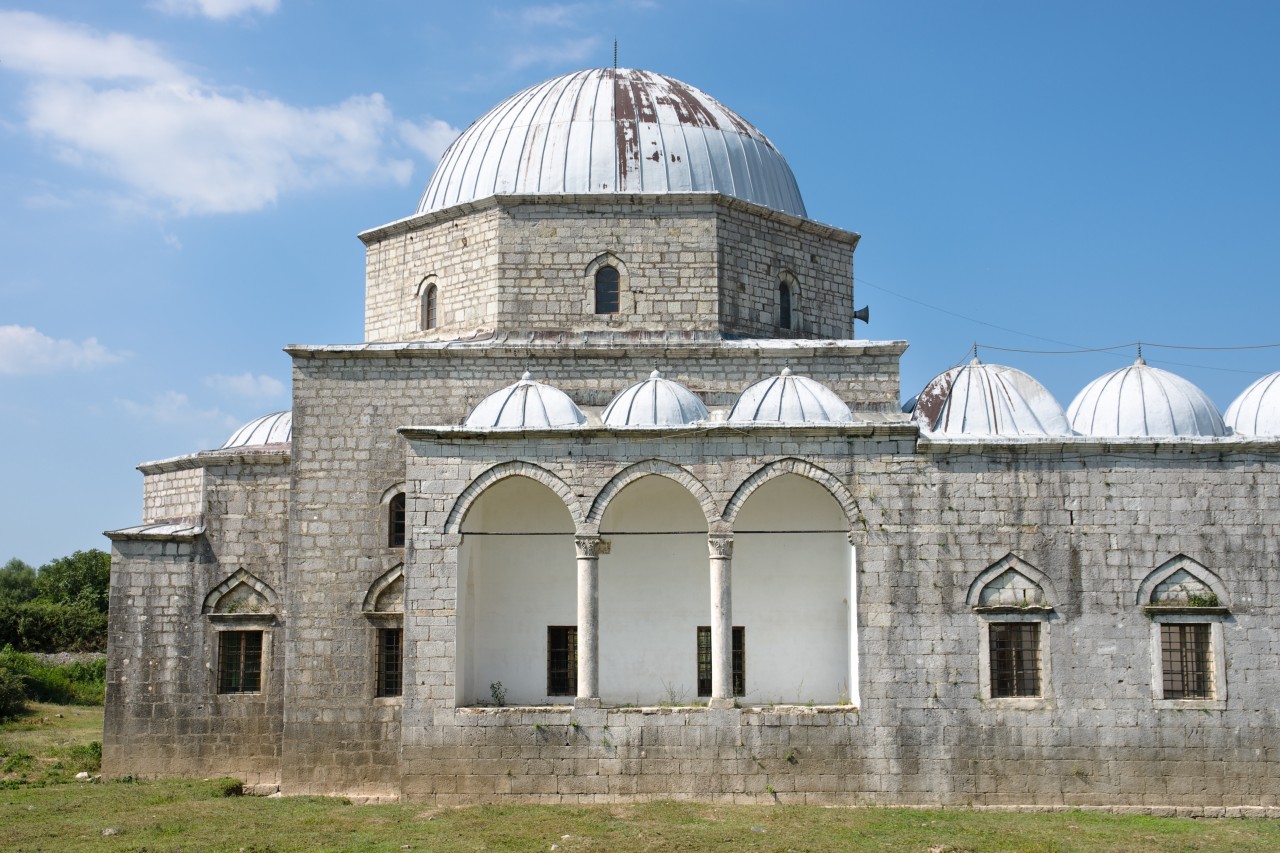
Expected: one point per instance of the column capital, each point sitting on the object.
(720, 545)
(588, 546)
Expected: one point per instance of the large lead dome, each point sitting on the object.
(608, 130)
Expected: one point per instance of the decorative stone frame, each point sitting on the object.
(1172, 612)
(626, 301)
(378, 619)
(1038, 609)
(263, 619)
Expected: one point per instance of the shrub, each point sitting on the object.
(45, 626)
(62, 684)
(13, 697)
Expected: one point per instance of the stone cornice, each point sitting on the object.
(413, 223)
(861, 429)
(266, 455)
(1076, 446)
(598, 345)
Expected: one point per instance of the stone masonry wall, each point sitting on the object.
(515, 265)
(1095, 519)
(165, 716)
(169, 494)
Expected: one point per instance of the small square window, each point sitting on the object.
(739, 660)
(1015, 659)
(1186, 660)
(239, 661)
(390, 661)
(562, 660)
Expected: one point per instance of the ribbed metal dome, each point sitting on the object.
(1141, 400)
(275, 428)
(789, 399)
(654, 402)
(526, 405)
(988, 399)
(1257, 410)
(607, 130)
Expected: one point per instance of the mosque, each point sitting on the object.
(610, 504)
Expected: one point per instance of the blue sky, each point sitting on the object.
(181, 183)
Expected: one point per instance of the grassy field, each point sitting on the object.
(40, 810)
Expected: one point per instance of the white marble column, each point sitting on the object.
(720, 547)
(588, 617)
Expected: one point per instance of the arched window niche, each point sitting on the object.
(607, 284)
(1014, 603)
(788, 303)
(428, 304)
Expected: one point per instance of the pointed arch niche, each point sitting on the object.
(241, 596)
(654, 592)
(793, 593)
(1014, 604)
(517, 577)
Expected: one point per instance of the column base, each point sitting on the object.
(586, 702)
(722, 704)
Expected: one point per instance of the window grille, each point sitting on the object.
(738, 655)
(607, 281)
(562, 660)
(784, 305)
(390, 661)
(1186, 661)
(1015, 659)
(239, 661)
(395, 522)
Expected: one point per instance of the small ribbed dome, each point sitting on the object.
(789, 399)
(275, 428)
(526, 405)
(1257, 410)
(612, 130)
(988, 399)
(1140, 400)
(654, 402)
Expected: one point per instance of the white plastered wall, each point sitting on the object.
(655, 590)
(791, 589)
(517, 575)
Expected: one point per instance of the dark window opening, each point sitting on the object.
(395, 522)
(429, 308)
(239, 661)
(607, 280)
(1186, 661)
(1015, 659)
(739, 660)
(562, 660)
(784, 305)
(390, 661)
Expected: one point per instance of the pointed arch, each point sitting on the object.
(802, 468)
(606, 277)
(653, 467)
(1149, 589)
(237, 578)
(376, 589)
(502, 471)
(1013, 573)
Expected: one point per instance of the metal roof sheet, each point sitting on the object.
(527, 404)
(988, 399)
(652, 402)
(612, 130)
(1257, 410)
(790, 399)
(1140, 400)
(275, 428)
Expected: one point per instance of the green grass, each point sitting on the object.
(44, 813)
(50, 744)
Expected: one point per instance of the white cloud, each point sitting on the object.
(246, 385)
(568, 51)
(219, 10)
(25, 350)
(431, 137)
(175, 408)
(115, 105)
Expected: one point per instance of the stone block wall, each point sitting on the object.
(522, 265)
(172, 491)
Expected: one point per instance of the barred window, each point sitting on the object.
(739, 660)
(607, 283)
(395, 522)
(390, 661)
(562, 660)
(1186, 661)
(1015, 659)
(239, 661)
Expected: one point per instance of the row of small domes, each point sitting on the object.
(973, 399)
(1138, 400)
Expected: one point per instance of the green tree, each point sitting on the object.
(81, 579)
(17, 582)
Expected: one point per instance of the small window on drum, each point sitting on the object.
(430, 297)
(607, 282)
